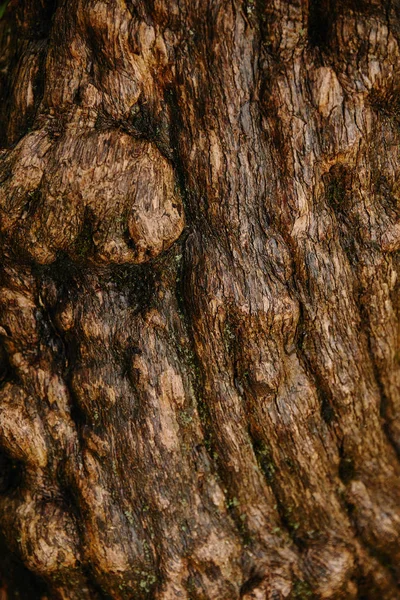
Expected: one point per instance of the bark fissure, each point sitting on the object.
(199, 305)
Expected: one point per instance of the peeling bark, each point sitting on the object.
(199, 300)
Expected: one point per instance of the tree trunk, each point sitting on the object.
(199, 303)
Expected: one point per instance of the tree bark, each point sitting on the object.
(199, 299)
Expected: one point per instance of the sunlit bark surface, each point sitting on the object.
(199, 299)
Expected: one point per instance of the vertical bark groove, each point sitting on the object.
(199, 302)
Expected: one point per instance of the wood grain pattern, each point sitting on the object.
(199, 300)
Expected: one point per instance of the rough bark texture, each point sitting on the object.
(199, 303)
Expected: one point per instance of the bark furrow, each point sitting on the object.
(199, 299)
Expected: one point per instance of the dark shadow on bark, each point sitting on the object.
(15, 580)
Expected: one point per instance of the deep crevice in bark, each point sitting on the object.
(196, 406)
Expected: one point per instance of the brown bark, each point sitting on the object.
(199, 303)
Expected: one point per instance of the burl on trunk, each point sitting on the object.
(199, 299)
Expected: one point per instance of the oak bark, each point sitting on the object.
(199, 299)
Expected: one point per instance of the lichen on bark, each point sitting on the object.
(199, 301)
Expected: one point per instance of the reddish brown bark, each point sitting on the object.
(199, 303)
